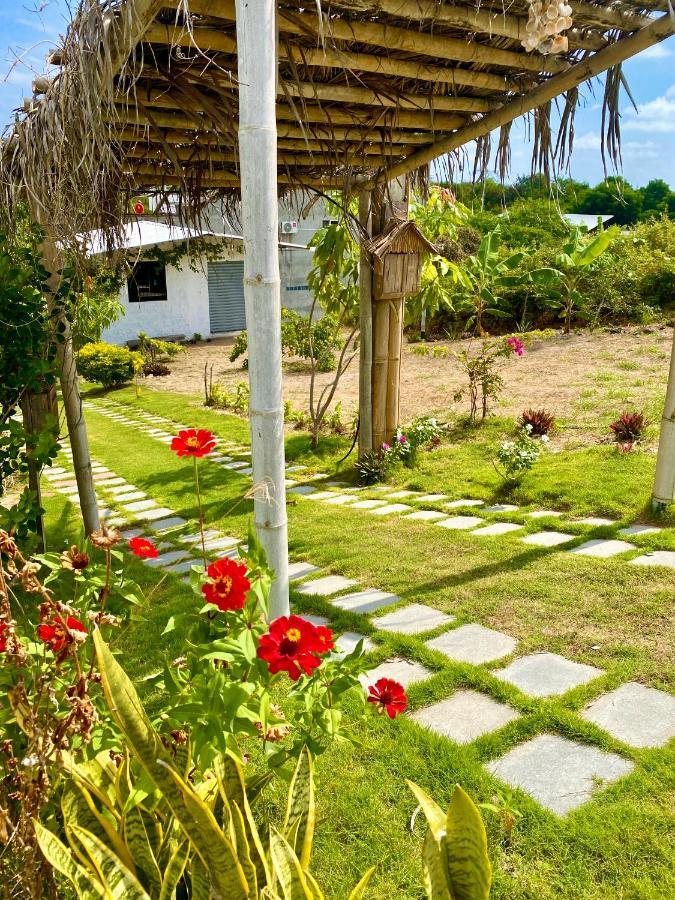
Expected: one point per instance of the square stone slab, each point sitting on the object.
(315, 620)
(656, 558)
(237, 465)
(151, 515)
(457, 504)
(185, 566)
(165, 559)
(595, 521)
(461, 523)
(431, 498)
(302, 489)
(324, 587)
(130, 533)
(405, 671)
(295, 468)
(221, 543)
(369, 504)
(635, 714)
(139, 505)
(501, 507)
(427, 515)
(365, 601)
(632, 530)
(166, 524)
(559, 773)
(413, 619)
(546, 674)
(300, 569)
(543, 513)
(497, 528)
(602, 548)
(109, 482)
(121, 495)
(465, 716)
(341, 499)
(346, 644)
(399, 495)
(320, 495)
(473, 644)
(197, 538)
(547, 538)
(390, 509)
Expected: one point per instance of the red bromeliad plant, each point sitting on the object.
(195, 443)
(243, 679)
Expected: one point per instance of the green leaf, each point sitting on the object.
(174, 871)
(287, 869)
(433, 812)
(301, 808)
(137, 841)
(434, 870)
(60, 858)
(358, 892)
(117, 879)
(465, 850)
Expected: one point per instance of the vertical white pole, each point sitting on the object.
(366, 329)
(257, 73)
(664, 480)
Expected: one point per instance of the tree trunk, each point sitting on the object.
(366, 329)
(664, 480)
(70, 388)
(256, 46)
(36, 407)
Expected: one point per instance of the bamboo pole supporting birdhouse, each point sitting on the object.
(366, 331)
(256, 41)
(664, 479)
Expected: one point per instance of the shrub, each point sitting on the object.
(156, 369)
(517, 457)
(155, 348)
(485, 382)
(111, 366)
(540, 422)
(220, 398)
(299, 337)
(629, 427)
(374, 466)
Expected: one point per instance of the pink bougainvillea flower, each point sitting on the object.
(294, 645)
(193, 442)
(143, 548)
(388, 696)
(228, 585)
(386, 447)
(402, 439)
(516, 345)
(58, 633)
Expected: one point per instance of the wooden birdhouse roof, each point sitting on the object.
(400, 236)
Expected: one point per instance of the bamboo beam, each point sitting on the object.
(156, 153)
(339, 93)
(651, 34)
(608, 17)
(391, 37)
(126, 26)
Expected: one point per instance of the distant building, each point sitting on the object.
(589, 221)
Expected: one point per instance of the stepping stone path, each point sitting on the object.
(602, 549)
(405, 671)
(546, 674)
(473, 644)
(547, 538)
(635, 714)
(559, 773)
(414, 618)
(426, 515)
(656, 558)
(498, 528)
(365, 601)
(465, 716)
(348, 642)
(324, 587)
(461, 523)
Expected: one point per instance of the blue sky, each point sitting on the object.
(32, 27)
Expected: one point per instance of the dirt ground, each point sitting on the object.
(579, 378)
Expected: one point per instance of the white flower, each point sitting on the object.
(545, 439)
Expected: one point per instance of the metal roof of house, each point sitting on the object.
(587, 220)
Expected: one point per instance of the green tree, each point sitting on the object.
(613, 197)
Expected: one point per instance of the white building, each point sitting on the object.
(207, 299)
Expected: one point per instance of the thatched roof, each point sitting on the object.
(146, 99)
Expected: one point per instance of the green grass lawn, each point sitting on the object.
(607, 613)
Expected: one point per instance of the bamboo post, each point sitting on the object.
(380, 369)
(70, 387)
(366, 331)
(394, 367)
(257, 67)
(664, 479)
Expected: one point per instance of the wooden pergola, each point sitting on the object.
(252, 98)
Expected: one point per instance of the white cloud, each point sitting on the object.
(654, 116)
(656, 51)
(588, 141)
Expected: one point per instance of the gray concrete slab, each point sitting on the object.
(150, 515)
(427, 515)
(635, 714)
(369, 504)
(461, 523)
(431, 498)
(324, 587)
(497, 529)
(547, 538)
(656, 558)
(633, 530)
(300, 569)
(139, 505)
(465, 716)
(473, 644)
(302, 489)
(559, 773)
(501, 507)
(341, 499)
(414, 618)
(543, 513)
(405, 671)
(458, 504)
(346, 643)
(546, 674)
(365, 601)
(390, 509)
(595, 521)
(167, 524)
(602, 549)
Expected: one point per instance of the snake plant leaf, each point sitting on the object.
(98, 776)
(313, 885)
(174, 871)
(287, 869)
(117, 880)
(358, 892)
(301, 809)
(465, 850)
(60, 858)
(199, 880)
(433, 812)
(433, 869)
(243, 848)
(78, 808)
(224, 872)
(138, 842)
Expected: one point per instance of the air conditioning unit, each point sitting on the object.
(289, 227)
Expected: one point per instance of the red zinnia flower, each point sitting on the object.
(143, 548)
(389, 696)
(3, 636)
(228, 585)
(57, 634)
(293, 645)
(193, 442)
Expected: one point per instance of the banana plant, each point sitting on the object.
(142, 830)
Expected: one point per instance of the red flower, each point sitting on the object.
(3, 636)
(228, 585)
(139, 208)
(193, 443)
(389, 696)
(57, 634)
(143, 548)
(294, 645)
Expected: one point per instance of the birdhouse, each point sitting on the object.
(398, 254)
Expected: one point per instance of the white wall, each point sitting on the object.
(185, 311)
